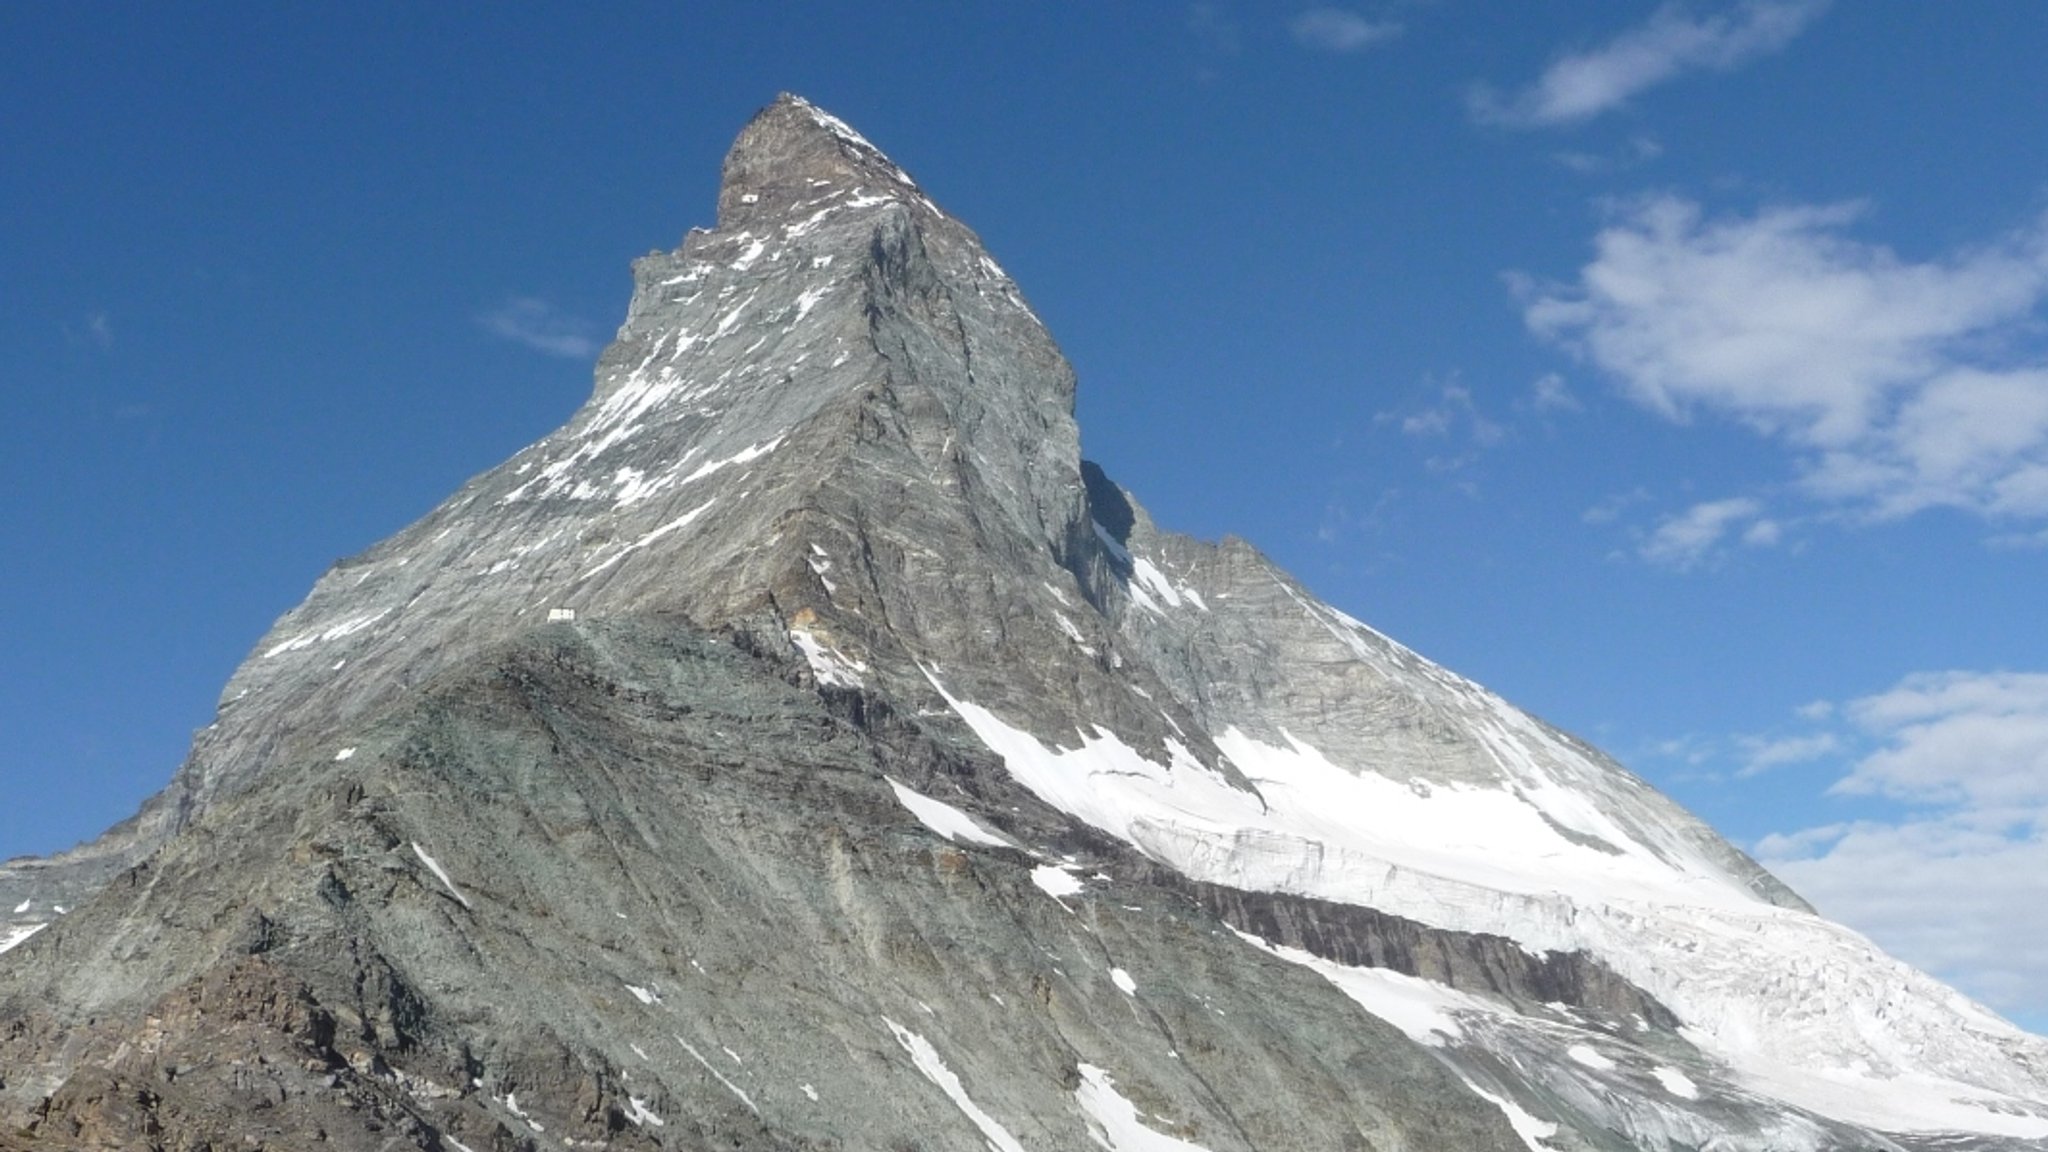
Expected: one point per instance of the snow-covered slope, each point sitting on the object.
(1492, 822)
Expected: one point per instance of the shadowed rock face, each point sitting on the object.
(804, 749)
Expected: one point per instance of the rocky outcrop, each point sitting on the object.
(640, 905)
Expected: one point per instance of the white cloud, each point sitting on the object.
(2026, 541)
(1898, 385)
(1979, 739)
(1454, 407)
(1687, 540)
(1453, 417)
(1428, 422)
(1608, 510)
(1673, 42)
(1337, 30)
(1639, 150)
(1761, 754)
(540, 326)
(1551, 394)
(1959, 901)
(1956, 882)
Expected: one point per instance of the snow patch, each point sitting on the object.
(511, 1102)
(1675, 1082)
(347, 627)
(945, 819)
(809, 299)
(832, 667)
(1056, 880)
(641, 1115)
(745, 455)
(682, 521)
(440, 874)
(1155, 581)
(644, 995)
(747, 258)
(927, 1060)
(1123, 981)
(1587, 1055)
(717, 1075)
(1532, 1130)
(731, 320)
(18, 934)
(344, 754)
(834, 125)
(1113, 1121)
(1424, 1011)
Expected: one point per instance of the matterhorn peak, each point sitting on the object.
(794, 155)
(802, 748)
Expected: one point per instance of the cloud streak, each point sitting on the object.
(1551, 394)
(539, 325)
(1452, 421)
(1340, 31)
(1672, 43)
(1762, 755)
(1897, 385)
(1689, 539)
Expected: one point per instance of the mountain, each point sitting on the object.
(804, 748)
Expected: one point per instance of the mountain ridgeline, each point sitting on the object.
(804, 748)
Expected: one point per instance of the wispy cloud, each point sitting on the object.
(1452, 417)
(1608, 510)
(1551, 394)
(1956, 881)
(1638, 151)
(96, 330)
(1672, 43)
(1214, 29)
(1896, 385)
(1691, 538)
(539, 325)
(1339, 30)
(1761, 754)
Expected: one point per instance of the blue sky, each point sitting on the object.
(1679, 371)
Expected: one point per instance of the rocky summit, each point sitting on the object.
(804, 748)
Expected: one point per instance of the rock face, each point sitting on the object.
(803, 748)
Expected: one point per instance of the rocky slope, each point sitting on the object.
(804, 748)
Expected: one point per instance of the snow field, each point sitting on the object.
(1801, 1009)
